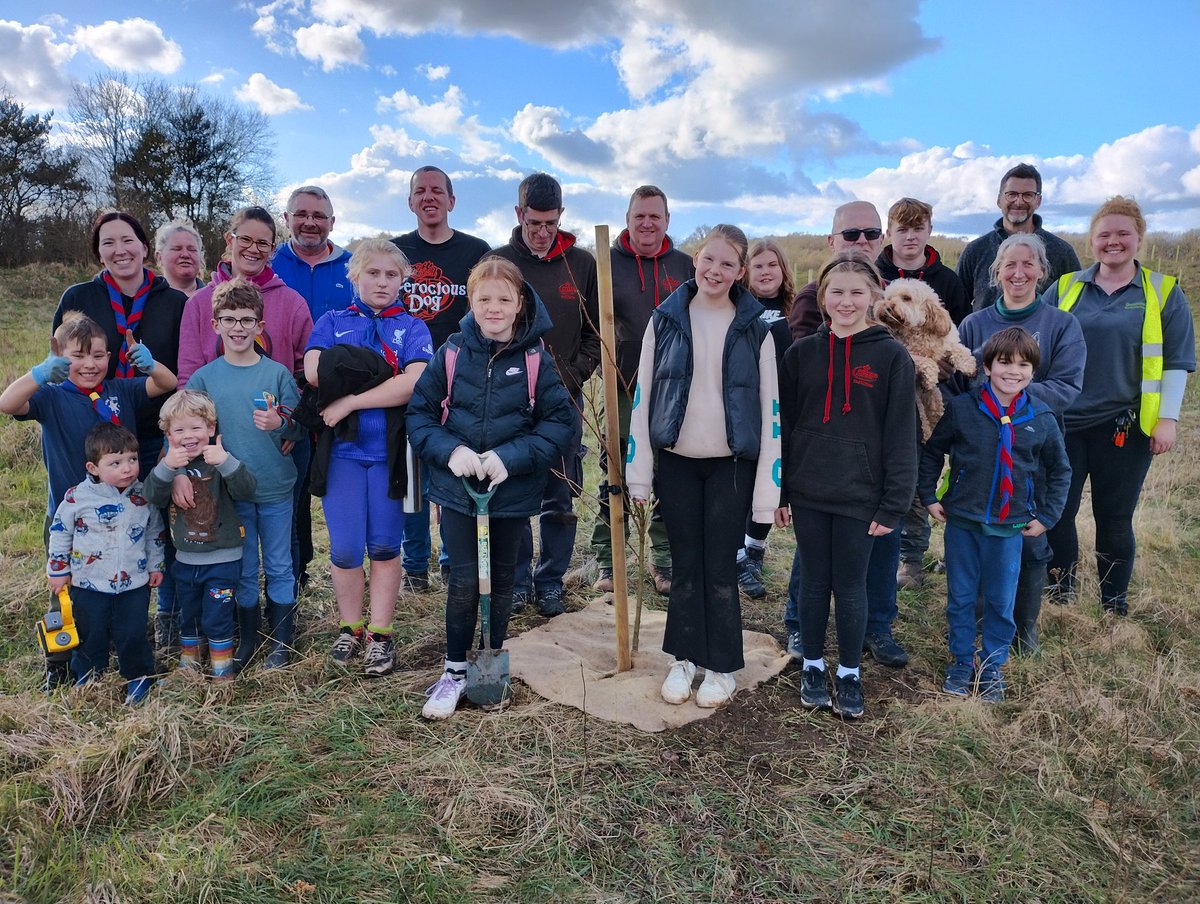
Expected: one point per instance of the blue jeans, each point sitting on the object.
(112, 619)
(205, 594)
(978, 565)
(557, 522)
(417, 547)
(881, 583)
(269, 526)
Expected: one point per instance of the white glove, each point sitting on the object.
(493, 467)
(465, 463)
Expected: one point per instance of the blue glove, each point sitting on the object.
(141, 358)
(53, 370)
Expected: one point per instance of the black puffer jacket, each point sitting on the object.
(489, 410)
(739, 365)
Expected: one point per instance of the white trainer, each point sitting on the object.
(716, 689)
(677, 688)
(444, 696)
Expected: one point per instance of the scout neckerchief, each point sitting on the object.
(102, 407)
(378, 317)
(127, 324)
(1006, 419)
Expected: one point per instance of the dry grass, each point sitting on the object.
(314, 785)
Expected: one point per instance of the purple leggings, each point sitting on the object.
(359, 513)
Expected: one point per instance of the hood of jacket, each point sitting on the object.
(622, 246)
(265, 280)
(529, 329)
(886, 265)
(335, 255)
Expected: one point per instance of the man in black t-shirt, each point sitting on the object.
(436, 292)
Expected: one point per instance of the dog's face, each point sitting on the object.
(911, 305)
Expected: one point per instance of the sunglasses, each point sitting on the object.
(852, 235)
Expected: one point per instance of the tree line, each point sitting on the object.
(157, 150)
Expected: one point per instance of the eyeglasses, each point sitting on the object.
(245, 323)
(1027, 196)
(244, 241)
(536, 226)
(852, 235)
(305, 215)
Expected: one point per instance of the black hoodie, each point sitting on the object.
(849, 418)
(565, 281)
(939, 277)
(640, 284)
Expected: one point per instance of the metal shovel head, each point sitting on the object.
(488, 682)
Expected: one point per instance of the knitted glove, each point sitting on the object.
(493, 467)
(465, 463)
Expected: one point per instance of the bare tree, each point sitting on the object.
(164, 151)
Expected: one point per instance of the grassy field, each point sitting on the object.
(311, 785)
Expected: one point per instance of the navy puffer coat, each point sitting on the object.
(489, 410)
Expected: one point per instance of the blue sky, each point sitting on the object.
(764, 114)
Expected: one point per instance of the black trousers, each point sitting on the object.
(704, 504)
(1117, 474)
(462, 594)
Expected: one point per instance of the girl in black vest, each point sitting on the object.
(706, 405)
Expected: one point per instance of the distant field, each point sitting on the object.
(314, 785)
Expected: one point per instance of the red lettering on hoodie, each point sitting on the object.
(864, 376)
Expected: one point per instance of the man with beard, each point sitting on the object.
(1019, 196)
(435, 291)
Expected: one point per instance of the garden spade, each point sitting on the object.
(488, 681)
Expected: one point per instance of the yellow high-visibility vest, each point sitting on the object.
(1156, 287)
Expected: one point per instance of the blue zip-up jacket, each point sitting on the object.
(326, 287)
(971, 438)
(489, 410)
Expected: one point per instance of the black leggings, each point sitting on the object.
(836, 552)
(704, 503)
(1117, 475)
(462, 595)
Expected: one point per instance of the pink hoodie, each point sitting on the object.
(286, 321)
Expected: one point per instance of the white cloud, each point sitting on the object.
(136, 45)
(31, 65)
(388, 69)
(331, 45)
(433, 73)
(216, 77)
(445, 117)
(269, 97)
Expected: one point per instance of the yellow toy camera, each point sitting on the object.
(56, 632)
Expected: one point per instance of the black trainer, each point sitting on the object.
(749, 578)
(814, 688)
(884, 649)
(848, 697)
(550, 602)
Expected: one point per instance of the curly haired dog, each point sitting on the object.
(914, 314)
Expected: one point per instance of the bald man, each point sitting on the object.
(856, 228)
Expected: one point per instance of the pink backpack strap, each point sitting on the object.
(533, 364)
(451, 357)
